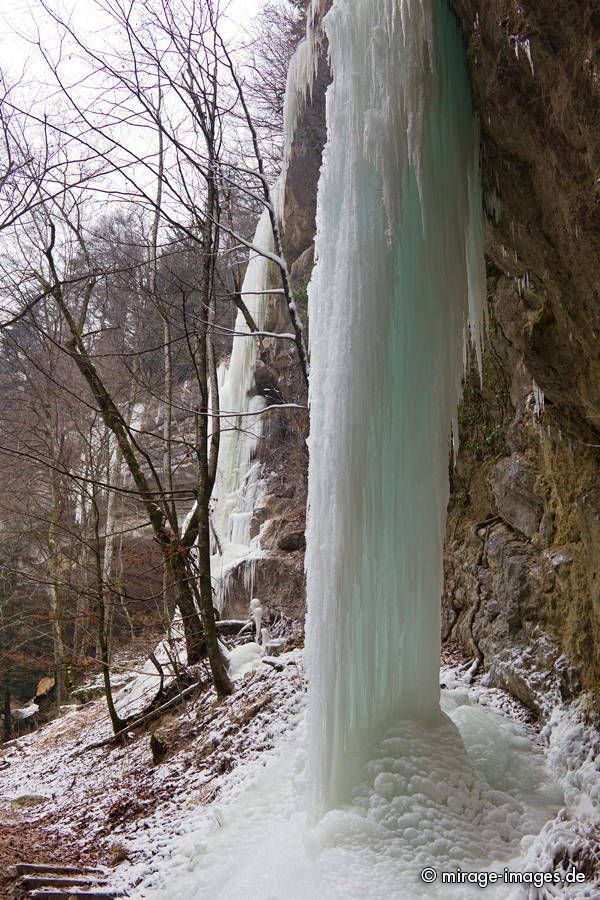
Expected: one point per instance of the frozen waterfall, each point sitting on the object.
(237, 483)
(398, 285)
(395, 780)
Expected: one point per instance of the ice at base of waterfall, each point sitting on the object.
(466, 792)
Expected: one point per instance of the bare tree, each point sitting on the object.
(278, 29)
(195, 180)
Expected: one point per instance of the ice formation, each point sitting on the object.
(238, 483)
(243, 659)
(256, 614)
(423, 800)
(237, 475)
(398, 284)
(538, 399)
(301, 75)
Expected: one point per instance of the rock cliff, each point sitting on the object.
(522, 564)
(522, 588)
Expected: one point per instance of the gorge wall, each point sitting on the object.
(523, 542)
(279, 517)
(522, 562)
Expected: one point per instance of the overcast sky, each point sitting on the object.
(19, 19)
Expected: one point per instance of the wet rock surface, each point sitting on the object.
(522, 588)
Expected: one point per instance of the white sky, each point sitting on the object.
(19, 18)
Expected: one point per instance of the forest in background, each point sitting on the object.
(129, 191)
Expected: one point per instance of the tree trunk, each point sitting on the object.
(57, 621)
(180, 575)
(54, 588)
(103, 644)
(115, 458)
(115, 421)
(7, 735)
(116, 721)
(218, 664)
(60, 689)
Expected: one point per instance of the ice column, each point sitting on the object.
(399, 282)
(237, 487)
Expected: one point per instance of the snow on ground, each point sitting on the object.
(222, 817)
(571, 748)
(426, 800)
(113, 802)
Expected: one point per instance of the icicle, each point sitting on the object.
(395, 288)
(527, 48)
(302, 72)
(538, 400)
(522, 43)
(238, 485)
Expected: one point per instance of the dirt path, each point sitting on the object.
(23, 840)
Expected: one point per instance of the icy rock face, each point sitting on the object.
(263, 457)
(239, 486)
(540, 396)
(399, 280)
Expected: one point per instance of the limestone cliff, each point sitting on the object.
(522, 591)
(523, 546)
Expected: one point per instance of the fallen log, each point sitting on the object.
(231, 627)
(115, 738)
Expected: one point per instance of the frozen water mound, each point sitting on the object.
(462, 792)
(425, 804)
